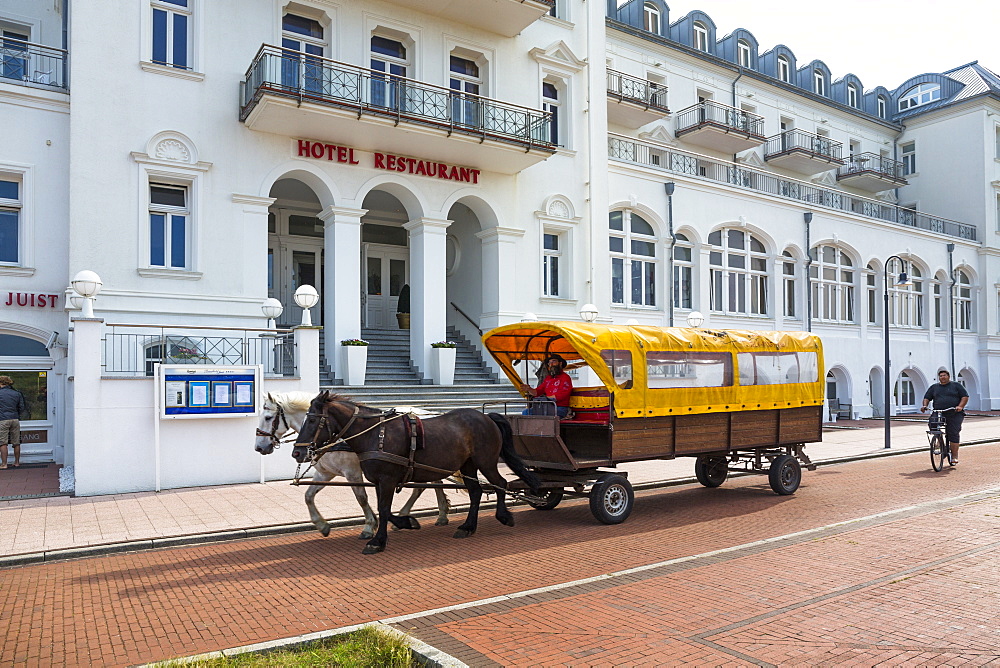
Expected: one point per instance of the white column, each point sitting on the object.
(428, 293)
(341, 291)
(307, 357)
(500, 277)
(254, 242)
(89, 459)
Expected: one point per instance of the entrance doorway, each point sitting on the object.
(905, 394)
(294, 248)
(386, 272)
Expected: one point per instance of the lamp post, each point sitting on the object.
(87, 284)
(306, 297)
(589, 312)
(902, 281)
(808, 218)
(669, 188)
(272, 309)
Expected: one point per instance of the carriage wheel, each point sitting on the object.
(547, 501)
(785, 475)
(711, 471)
(611, 498)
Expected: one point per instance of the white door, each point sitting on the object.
(905, 395)
(385, 275)
(290, 265)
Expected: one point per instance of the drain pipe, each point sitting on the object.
(951, 307)
(808, 217)
(738, 77)
(669, 188)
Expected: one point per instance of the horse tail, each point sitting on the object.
(509, 455)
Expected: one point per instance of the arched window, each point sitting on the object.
(832, 274)
(784, 69)
(743, 53)
(871, 288)
(906, 302)
(700, 37)
(852, 95)
(683, 271)
(905, 394)
(632, 243)
(819, 82)
(919, 95)
(788, 287)
(651, 17)
(937, 289)
(963, 301)
(881, 106)
(738, 272)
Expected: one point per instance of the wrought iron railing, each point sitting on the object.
(799, 140)
(133, 350)
(626, 149)
(633, 89)
(288, 73)
(33, 63)
(719, 115)
(871, 163)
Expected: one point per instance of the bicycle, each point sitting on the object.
(940, 448)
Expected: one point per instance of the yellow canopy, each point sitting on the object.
(655, 371)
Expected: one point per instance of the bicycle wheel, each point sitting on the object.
(939, 450)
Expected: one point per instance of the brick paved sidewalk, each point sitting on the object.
(37, 526)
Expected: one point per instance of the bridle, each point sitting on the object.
(287, 436)
(338, 442)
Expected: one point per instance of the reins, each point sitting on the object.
(289, 435)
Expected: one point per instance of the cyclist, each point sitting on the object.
(948, 394)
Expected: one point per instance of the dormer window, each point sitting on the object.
(701, 37)
(852, 95)
(784, 69)
(651, 17)
(881, 106)
(743, 53)
(920, 95)
(819, 83)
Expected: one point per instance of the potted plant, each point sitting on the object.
(354, 356)
(403, 307)
(443, 362)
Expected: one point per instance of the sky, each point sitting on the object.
(883, 42)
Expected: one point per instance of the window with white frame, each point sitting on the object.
(998, 212)
(832, 278)
(871, 288)
(465, 79)
(651, 17)
(819, 82)
(171, 25)
(852, 95)
(700, 37)
(10, 220)
(169, 225)
(784, 69)
(552, 254)
(743, 53)
(906, 302)
(881, 106)
(997, 149)
(391, 57)
(301, 67)
(963, 301)
(683, 271)
(788, 284)
(551, 104)
(920, 95)
(908, 156)
(939, 280)
(632, 242)
(737, 272)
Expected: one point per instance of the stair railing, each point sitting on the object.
(471, 321)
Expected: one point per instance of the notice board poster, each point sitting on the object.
(204, 391)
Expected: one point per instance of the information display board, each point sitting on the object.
(201, 391)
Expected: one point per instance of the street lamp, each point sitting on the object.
(695, 319)
(902, 280)
(589, 312)
(272, 309)
(529, 317)
(306, 297)
(87, 284)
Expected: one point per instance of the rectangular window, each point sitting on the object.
(551, 256)
(550, 103)
(620, 365)
(909, 158)
(682, 286)
(172, 33)
(937, 305)
(667, 369)
(168, 225)
(788, 271)
(10, 220)
(777, 368)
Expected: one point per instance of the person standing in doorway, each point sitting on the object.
(949, 394)
(12, 408)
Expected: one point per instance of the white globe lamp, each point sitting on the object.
(589, 312)
(529, 317)
(306, 297)
(695, 319)
(87, 284)
(272, 309)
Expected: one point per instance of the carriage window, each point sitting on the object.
(666, 369)
(620, 364)
(777, 368)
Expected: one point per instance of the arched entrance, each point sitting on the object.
(294, 247)
(385, 259)
(28, 363)
(905, 392)
(464, 267)
(967, 378)
(876, 392)
(838, 393)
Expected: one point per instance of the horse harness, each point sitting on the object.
(289, 433)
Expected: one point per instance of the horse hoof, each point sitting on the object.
(366, 535)
(463, 533)
(414, 524)
(441, 522)
(325, 531)
(507, 520)
(373, 549)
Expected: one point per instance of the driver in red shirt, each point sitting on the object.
(555, 386)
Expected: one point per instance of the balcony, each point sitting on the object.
(633, 102)
(34, 65)
(874, 173)
(288, 93)
(803, 152)
(719, 127)
(504, 17)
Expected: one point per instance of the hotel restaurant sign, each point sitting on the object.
(387, 161)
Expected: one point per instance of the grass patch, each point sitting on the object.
(368, 647)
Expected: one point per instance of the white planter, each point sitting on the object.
(443, 366)
(354, 360)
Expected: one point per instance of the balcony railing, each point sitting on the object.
(33, 63)
(639, 91)
(625, 149)
(798, 140)
(292, 74)
(870, 163)
(717, 115)
(132, 350)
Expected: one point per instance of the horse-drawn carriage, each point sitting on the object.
(730, 399)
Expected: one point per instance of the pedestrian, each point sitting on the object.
(949, 394)
(12, 409)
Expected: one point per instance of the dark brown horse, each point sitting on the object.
(463, 440)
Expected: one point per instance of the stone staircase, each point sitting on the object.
(391, 381)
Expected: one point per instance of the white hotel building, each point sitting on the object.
(501, 157)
